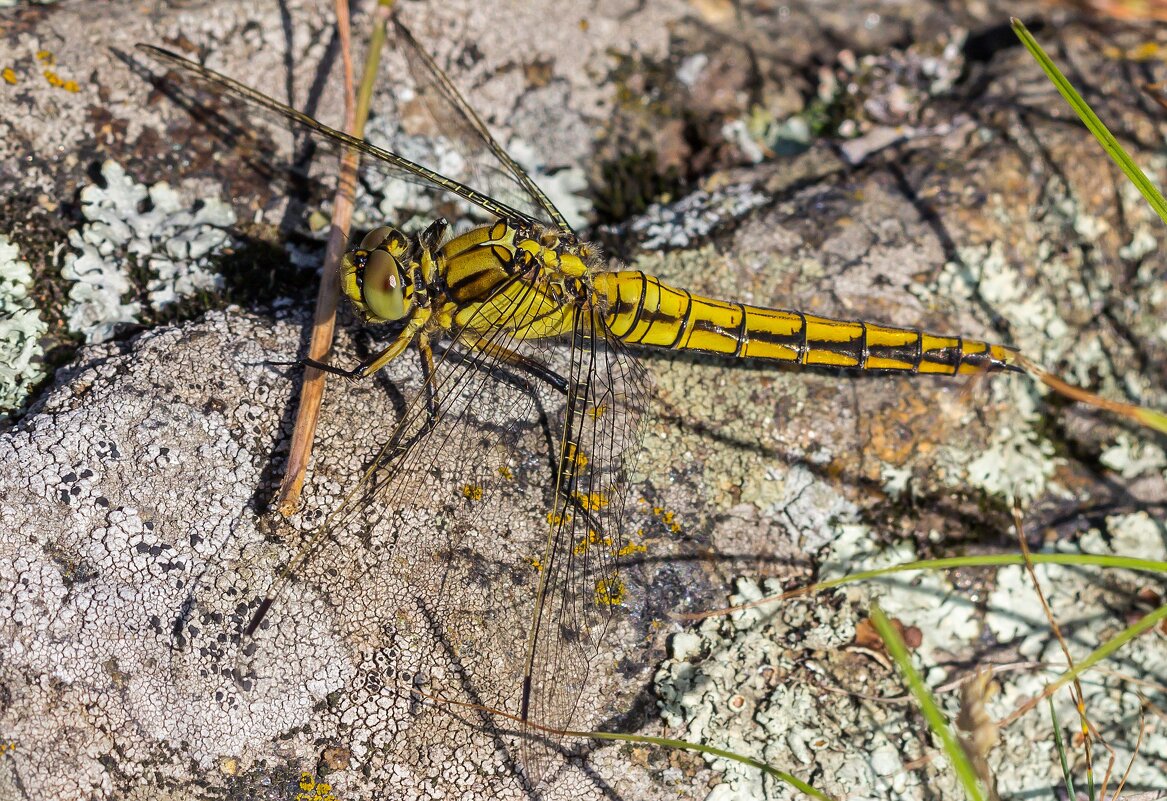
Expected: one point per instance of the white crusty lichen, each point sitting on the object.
(1084, 601)
(788, 681)
(123, 533)
(402, 200)
(694, 217)
(153, 227)
(752, 683)
(395, 197)
(21, 329)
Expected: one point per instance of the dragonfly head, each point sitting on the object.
(376, 276)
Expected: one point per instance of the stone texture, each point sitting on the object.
(132, 494)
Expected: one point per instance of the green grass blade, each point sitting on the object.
(667, 742)
(372, 64)
(1107, 648)
(1087, 115)
(1152, 419)
(1067, 777)
(1000, 560)
(936, 720)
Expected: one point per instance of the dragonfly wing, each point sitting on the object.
(226, 106)
(436, 560)
(582, 585)
(494, 169)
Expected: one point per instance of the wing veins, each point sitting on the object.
(239, 91)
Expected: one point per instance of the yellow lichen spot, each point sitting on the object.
(8, 747)
(506, 472)
(535, 563)
(9, 76)
(46, 57)
(472, 492)
(632, 548)
(56, 80)
(596, 411)
(1144, 52)
(554, 519)
(576, 456)
(668, 518)
(590, 540)
(311, 790)
(591, 501)
(609, 591)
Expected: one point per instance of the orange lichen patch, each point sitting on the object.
(9, 76)
(336, 757)
(472, 492)
(7, 747)
(506, 472)
(46, 57)
(905, 431)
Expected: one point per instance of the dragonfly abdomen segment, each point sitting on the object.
(642, 310)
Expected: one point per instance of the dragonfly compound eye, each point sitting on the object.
(375, 237)
(384, 290)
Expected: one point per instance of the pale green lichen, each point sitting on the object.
(130, 224)
(402, 201)
(566, 188)
(21, 329)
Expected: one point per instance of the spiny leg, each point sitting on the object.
(369, 365)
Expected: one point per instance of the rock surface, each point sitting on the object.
(132, 494)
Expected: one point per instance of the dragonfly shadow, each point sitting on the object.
(473, 713)
(267, 168)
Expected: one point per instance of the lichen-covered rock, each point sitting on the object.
(132, 497)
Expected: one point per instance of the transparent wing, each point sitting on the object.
(480, 554)
(196, 83)
(458, 120)
(582, 583)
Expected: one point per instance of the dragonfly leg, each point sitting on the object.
(429, 377)
(434, 233)
(366, 367)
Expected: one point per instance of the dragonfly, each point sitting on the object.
(515, 321)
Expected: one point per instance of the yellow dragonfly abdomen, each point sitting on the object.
(643, 310)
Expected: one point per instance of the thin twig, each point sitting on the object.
(324, 318)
